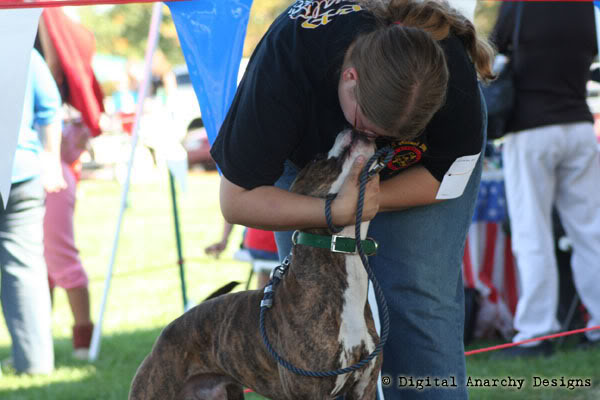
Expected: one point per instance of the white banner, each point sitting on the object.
(597, 14)
(17, 32)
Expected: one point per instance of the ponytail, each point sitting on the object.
(439, 19)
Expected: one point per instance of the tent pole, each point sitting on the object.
(142, 91)
(180, 260)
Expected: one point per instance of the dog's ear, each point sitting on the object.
(223, 290)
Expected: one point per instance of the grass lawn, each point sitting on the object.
(145, 295)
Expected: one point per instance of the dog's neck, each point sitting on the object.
(311, 264)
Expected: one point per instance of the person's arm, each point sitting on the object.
(48, 120)
(503, 29)
(52, 176)
(217, 248)
(595, 74)
(413, 187)
(275, 209)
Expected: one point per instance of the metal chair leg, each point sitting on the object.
(250, 277)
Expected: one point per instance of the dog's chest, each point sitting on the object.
(354, 338)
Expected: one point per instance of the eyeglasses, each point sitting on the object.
(368, 134)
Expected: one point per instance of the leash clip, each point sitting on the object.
(280, 270)
(266, 303)
(277, 272)
(376, 167)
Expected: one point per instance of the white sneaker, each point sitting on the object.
(82, 354)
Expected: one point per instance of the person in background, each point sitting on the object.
(550, 158)
(259, 243)
(24, 278)
(65, 269)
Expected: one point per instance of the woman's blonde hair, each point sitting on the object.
(402, 67)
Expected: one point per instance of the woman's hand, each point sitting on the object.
(216, 249)
(344, 207)
(52, 173)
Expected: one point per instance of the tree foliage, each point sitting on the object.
(262, 14)
(485, 16)
(123, 29)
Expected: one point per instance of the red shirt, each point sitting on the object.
(257, 239)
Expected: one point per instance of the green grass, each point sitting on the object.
(567, 362)
(145, 295)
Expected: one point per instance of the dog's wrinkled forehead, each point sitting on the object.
(326, 175)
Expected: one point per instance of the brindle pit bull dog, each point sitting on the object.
(320, 321)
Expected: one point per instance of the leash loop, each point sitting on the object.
(368, 171)
(328, 200)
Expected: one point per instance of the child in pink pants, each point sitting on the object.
(62, 257)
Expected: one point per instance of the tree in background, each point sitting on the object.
(262, 14)
(122, 30)
(485, 16)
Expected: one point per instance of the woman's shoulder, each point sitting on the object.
(460, 119)
(463, 75)
(321, 17)
(310, 37)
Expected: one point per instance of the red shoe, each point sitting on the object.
(82, 337)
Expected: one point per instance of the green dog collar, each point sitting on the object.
(335, 243)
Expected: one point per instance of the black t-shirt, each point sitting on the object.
(287, 106)
(556, 46)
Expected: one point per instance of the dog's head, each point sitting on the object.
(325, 175)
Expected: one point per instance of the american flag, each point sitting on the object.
(488, 262)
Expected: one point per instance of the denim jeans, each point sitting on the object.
(24, 279)
(418, 266)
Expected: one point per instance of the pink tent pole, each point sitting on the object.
(142, 91)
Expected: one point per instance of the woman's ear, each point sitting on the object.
(349, 74)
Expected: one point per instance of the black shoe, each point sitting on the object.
(587, 344)
(544, 349)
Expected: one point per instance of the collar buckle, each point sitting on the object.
(334, 249)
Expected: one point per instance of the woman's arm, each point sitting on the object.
(503, 29)
(217, 248)
(52, 176)
(413, 187)
(272, 208)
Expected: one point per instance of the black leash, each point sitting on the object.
(277, 274)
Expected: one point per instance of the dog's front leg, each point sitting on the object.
(164, 372)
(366, 387)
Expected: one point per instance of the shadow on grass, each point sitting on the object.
(107, 378)
(110, 376)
